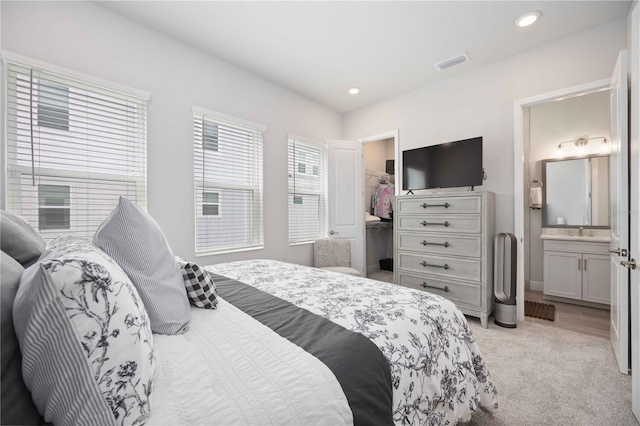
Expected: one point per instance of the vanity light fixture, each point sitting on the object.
(354, 90)
(528, 19)
(581, 145)
(605, 148)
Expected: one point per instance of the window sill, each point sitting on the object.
(238, 250)
(301, 243)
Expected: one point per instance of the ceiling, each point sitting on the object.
(320, 49)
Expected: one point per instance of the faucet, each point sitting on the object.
(580, 231)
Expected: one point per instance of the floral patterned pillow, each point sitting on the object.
(88, 354)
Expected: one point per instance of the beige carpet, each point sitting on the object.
(549, 376)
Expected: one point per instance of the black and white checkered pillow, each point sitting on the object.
(201, 289)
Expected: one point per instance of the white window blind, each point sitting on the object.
(73, 148)
(307, 190)
(228, 183)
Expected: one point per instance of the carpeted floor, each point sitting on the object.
(549, 376)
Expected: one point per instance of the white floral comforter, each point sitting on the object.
(439, 376)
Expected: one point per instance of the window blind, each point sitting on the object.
(73, 148)
(228, 183)
(307, 190)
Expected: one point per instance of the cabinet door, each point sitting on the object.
(563, 274)
(596, 282)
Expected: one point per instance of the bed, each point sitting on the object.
(285, 344)
(435, 367)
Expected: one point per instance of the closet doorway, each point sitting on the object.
(379, 170)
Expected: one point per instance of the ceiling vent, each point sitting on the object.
(450, 63)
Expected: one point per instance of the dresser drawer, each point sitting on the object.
(444, 204)
(440, 223)
(462, 294)
(466, 269)
(470, 246)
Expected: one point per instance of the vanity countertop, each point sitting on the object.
(585, 238)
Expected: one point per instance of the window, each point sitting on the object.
(53, 106)
(307, 190)
(210, 136)
(210, 203)
(307, 163)
(228, 183)
(73, 148)
(54, 210)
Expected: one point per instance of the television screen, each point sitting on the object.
(447, 165)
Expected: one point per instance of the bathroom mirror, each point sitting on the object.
(576, 192)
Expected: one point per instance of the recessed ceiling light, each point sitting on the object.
(528, 19)
(354, 90)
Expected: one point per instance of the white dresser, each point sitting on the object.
(444, 245)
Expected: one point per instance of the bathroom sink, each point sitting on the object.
(595, 239)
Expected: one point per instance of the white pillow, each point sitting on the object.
(137, 243)
(87, 347)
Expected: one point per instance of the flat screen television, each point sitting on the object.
(448, 165)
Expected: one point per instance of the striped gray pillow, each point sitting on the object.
(137, 243)
(87, 347)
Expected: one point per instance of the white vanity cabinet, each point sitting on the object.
(577, 270)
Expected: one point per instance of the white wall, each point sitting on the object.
(481, 103)
(549, 124)
(377, 153)
(87, 38)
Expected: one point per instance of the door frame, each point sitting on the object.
(397, 166)
(520, 107)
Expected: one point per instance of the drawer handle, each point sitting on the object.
(425, 264)
(445, 205)
(425, 243)
(425, 223)
(425, 285)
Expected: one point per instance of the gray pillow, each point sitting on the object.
(19, 240)
(17, 406)
(137, 243)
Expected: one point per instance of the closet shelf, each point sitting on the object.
(370, 173)
(378, 226)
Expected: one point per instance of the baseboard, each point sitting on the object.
(536, 285)
(547, 297)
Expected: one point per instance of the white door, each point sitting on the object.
(619, 208)
(346, 218)
(634, 189)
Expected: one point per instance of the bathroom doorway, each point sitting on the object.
(566, 147)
